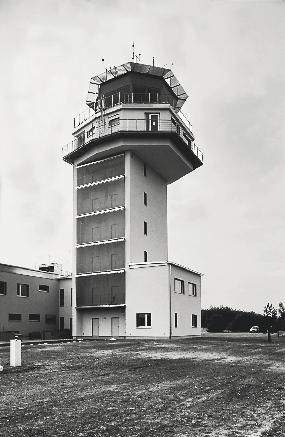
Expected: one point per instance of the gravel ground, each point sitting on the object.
(220, 386)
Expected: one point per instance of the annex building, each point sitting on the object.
(130, 144)
(34, 303)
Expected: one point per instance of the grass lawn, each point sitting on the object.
(227, 385)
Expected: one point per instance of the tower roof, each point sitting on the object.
(165, 73)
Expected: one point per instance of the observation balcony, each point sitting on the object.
(119, 99)
(101, 127)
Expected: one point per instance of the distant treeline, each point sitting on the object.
(218, 319)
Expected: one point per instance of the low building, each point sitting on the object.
(30, 302)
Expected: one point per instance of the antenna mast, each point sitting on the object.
(133, 47)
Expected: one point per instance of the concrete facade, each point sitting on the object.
(29, 302)
(124, 156)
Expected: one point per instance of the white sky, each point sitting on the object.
(226, 219)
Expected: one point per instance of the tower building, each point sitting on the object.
(128, 146)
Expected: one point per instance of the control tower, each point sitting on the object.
(128, 146)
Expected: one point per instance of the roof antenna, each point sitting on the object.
(153, 61)
(133, 47)
(138, 57)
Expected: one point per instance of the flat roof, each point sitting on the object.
(20, 270)
(164, 263)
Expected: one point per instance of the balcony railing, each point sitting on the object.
(102, 129)
(123, 98)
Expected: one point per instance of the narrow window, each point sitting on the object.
(23, 290)
(145, 256)
(61, 323)
(192, 289)
(34, 317)
(115, 264)
(15, 317)
(70, 323)
(145, 228)
(144, 169)
(145, 198)
(194, 321)
(179, 286)
(44, 288)
(143, 320)
(3, 288)
(61, 297)
(175, 320)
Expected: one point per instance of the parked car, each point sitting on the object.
(254, 329)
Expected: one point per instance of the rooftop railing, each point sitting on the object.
(122, 98)
(103, 128)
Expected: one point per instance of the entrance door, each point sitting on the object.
(115, 326)
(152, 122)
(95, 327)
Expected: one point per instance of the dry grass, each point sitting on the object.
(219, 386)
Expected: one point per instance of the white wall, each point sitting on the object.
(183, 304)
(84, 318)
(155, 213)
(147, 291)
(66, 310)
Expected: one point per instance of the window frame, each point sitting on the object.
(145, 228)
(194, 318)
(61, 297)
(4, 293)
(175, 320)
(147, 321)
(34, 319)
(45, 286)
(19, 290)
(16, 319)
(145, 198)
(182, 287)
(193, 289)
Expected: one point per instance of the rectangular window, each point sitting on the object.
(179, 286)
(61, 297)
(61, 323)
(145, 228)
(194, 321)
(175, 320)
(44, 288)
(144, 169)
(145, 256)
(23, 290)
(145, 198)
(3, 288)
(143, 320)
(15, 317)
(70, 323)
(34, 317)
(50, 319)
(192, 289)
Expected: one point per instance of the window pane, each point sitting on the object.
(148, 319)
(194, 321)
(3, 287)
(44, 288)
(17, 317)
(140, 319)
(34, 317)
